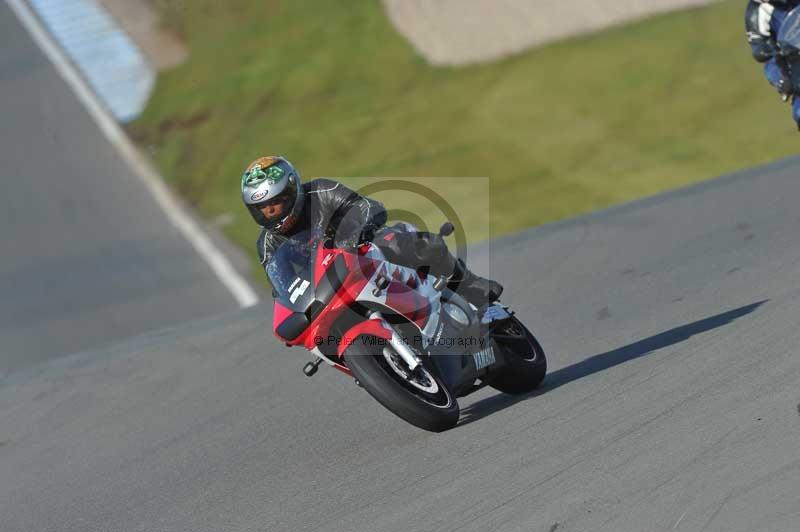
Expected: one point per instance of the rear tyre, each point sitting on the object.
(419, 397)
(527, 363)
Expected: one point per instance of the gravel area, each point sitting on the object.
(140, 20)
(458, 32)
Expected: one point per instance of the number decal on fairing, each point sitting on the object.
(299, 291)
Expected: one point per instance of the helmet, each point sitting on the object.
(272, 181)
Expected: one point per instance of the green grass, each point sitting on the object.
(561, 130)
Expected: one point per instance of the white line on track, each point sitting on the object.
(243, 293)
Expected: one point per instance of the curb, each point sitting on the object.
(239, 288)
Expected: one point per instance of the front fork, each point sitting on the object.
(457, 370)
(399, 345)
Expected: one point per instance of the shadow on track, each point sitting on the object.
(604, 361)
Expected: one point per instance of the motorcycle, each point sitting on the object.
(412, 343)
(788, 56)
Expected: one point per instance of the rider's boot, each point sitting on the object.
(476, 289)
(785, 90)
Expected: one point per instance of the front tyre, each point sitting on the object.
(419, 397)
(527, 363)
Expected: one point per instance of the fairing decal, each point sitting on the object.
(407, 302)
(421, 305)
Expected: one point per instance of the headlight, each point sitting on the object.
(456, 314)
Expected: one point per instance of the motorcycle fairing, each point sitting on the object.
(369, 327)
(407, 293)
(294, 317)
(789, 35)
(341, 278)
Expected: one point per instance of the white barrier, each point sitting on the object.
(109, 60)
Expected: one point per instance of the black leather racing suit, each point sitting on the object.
(332, 208)
(329, 207)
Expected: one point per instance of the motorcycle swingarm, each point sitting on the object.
(474, 388)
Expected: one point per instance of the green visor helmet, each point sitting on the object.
(273, 182)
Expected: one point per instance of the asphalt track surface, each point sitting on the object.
(672, 327)
(87, 257)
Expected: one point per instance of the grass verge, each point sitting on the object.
(560, 130)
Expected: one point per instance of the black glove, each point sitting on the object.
(367, 233)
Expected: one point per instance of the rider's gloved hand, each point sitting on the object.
(367, 233)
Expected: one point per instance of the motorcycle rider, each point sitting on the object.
(283, 206)
(763, 21)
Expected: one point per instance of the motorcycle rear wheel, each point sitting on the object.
(526, 359)
(420, 397)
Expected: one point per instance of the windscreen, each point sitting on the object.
(789, 36)
(291, 267)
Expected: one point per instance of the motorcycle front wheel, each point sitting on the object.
(420, 397)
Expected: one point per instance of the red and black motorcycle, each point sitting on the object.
(406, 338)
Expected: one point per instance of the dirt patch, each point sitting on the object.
(154, 138)
(458, 32)
(191, 122)
(140, 20)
